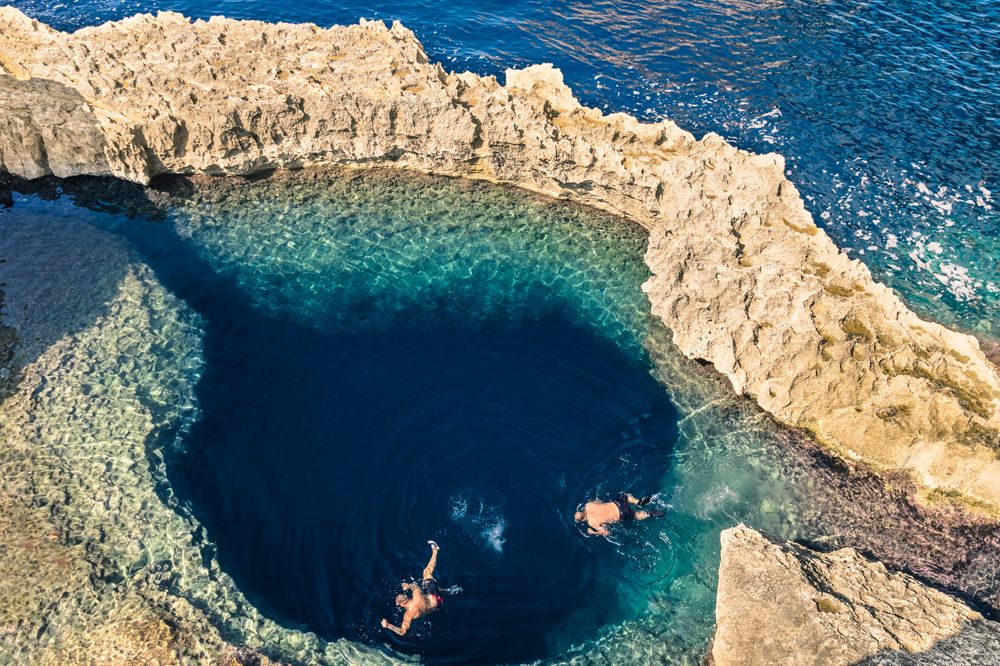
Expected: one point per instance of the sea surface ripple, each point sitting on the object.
(888, 112)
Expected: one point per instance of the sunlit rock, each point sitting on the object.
(786, 604)
(741, 275)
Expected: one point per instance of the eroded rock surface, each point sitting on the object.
(741, 275)
(786, 604)
(46, 127)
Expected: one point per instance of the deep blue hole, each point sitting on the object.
(325, 458)
(324, 461)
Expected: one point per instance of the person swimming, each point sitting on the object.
(425, 597)
(598, 515)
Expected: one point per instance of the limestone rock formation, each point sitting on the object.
(741, 274)
(786, 604)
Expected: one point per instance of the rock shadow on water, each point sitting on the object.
(100, 352)
(60, 283)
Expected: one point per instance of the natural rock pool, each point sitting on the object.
(275, 391)
(387, 363)
(384, 361)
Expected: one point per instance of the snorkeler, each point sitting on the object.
(425, 596)
(598, 515)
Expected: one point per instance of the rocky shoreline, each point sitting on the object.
(782, 603)
(741, 276)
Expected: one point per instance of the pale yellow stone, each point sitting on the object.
(785, 604)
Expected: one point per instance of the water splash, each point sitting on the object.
(473, 514)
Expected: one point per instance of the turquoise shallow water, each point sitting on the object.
(331, 266)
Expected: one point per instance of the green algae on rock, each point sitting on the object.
(740, 274)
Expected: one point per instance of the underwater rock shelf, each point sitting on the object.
(741, 275)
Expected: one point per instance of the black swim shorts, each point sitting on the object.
(429, 586)
(626, 510)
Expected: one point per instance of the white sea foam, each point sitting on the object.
(958, 280)
(918, 259)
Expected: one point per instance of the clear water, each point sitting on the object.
(380, 371)
(887, 111)
(370, 360)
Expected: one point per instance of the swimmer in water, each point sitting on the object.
(425, 596)
(598, 515)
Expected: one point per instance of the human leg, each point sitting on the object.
(429, 569)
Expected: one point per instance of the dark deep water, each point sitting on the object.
(329, 451)
(324, 461)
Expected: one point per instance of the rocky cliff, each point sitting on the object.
(786, 604)
(741, 275)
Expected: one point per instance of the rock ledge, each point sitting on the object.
(786, 604)
(740, 273)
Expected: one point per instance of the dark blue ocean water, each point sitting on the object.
(888, 111)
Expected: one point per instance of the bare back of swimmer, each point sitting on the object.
(598, 515)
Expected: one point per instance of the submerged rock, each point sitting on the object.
(741, 275)
(787, 604)
(99, 563)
